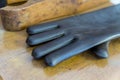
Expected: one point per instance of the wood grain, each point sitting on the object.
(16, 62)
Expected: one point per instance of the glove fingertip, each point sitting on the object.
(102, 54)
(29, 42)
(35, 54)
(49, 62)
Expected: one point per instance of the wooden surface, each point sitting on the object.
(16, 62)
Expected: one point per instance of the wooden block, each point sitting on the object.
(32, 12)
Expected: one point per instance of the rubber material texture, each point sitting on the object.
(85, 31)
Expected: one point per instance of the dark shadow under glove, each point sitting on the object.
(74, 35)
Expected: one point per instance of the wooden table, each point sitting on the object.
(16, 62)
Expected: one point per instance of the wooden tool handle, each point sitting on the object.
(32, 12)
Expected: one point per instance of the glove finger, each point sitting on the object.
(51, 46)
(101, 50)
(44, 37)
(40, 28)
(66, 52)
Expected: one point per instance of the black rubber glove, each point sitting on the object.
(3, 3)
(74, 35)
